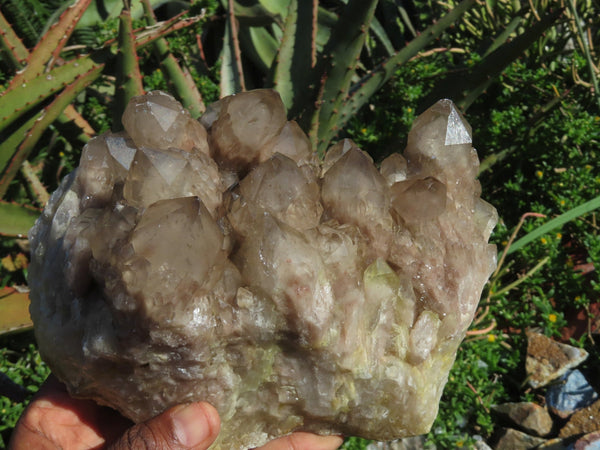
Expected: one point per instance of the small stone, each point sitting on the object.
(529, 417)
(570, 393)
(511, 439)
(548, 359)
(590, 441)
(480, 444)
(557, 444)
(583, 421)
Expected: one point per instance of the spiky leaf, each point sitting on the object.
(16, 220)
(51, 44)
(129, 78)
(14, 311)
(295, 59)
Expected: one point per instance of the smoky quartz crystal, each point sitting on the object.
(220, 260)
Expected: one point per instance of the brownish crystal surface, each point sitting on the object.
(220, 260)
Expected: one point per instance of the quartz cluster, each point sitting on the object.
(220, 260)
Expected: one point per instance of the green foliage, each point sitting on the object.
(354, 443)
(325, 64)
(20, 362)
(16, 220)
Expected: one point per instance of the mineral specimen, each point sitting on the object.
(220, 260)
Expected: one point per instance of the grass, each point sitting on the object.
(21, 363)
(537, 130)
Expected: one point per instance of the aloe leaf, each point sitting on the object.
(51, 44)
(16, 220)
(73, 116)
(295, 57)
(20, 99)
(592, 68)
(36, 187)
(14, 311)
(26, 18)
(466, 86)
(33, 129)
(11, 45)
(277, 7)
(9, 145)
(100, 11)
(371, 83)
(341, 55)
(533, 124)
(380, 33)
(406, 20)
(260, 47)
(326, 21)
(504, 35)
(129, 78)
(180, 81)
(557, 222)
(258, 12)
(231, 72)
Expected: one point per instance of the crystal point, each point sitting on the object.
(234, 267)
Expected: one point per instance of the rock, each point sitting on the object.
(583, 421)
(529, 417)
(557, 444)
(590, 441)
(570, 393)
(410, 443)
(238, 269)
(548, 359)
(511, 439)
(480, 444)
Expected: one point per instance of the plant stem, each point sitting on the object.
(586, 50)
(36, 186)
(515, 283)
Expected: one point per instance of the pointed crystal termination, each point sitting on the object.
(220, 260)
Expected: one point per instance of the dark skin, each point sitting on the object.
(55, 420)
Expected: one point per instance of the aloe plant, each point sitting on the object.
(24, 109)
(464, 86)
(312, 56)
(46, 82)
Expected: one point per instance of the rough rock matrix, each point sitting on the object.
(220, 260)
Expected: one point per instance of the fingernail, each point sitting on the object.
(190, 427)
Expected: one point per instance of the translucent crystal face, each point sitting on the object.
(220, 260)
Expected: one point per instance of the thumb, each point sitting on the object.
(195, 425)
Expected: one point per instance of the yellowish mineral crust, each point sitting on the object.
(221, 260)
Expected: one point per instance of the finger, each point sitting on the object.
(55, 419)
(304, 441)
(195, 425)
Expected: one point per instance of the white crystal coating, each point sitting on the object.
(220, 260)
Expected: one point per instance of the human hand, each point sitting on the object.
(56, 420)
